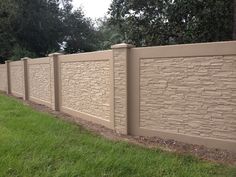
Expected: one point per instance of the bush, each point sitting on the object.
(19, 52)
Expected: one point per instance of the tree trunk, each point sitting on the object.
(234, 21)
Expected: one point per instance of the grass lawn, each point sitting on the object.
(38, 144)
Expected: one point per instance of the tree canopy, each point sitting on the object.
(160, 22)
(36, 28)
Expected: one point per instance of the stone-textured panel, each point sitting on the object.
(16, 74)
(39, 81)
(86, 87)
(120, 89)
(3, 76)
(192, 96)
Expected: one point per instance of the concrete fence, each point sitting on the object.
(181, 92)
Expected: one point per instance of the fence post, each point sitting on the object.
(8, 76)
(25, 78)
(120, 65)
(55, 91)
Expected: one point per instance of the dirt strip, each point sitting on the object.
(202, 152)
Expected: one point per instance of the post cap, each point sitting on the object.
(122, 45)
(54, 54)
(25, 58)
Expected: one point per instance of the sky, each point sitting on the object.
(93, 8)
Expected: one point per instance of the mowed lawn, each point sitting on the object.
(34, 144)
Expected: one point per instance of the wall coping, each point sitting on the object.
(187, 50)
(25, 58)
(54, 54)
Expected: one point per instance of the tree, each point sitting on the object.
(30, 25)
(39, 27)
(160, 22)
(8, 16)
(200, 20)
(140, 22)
(108, 34)
(79, 33)
(234, 22)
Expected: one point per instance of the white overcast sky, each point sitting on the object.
(93, 8)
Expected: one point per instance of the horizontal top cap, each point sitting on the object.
(122, 45)
(54, 54)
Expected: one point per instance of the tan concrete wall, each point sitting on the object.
(192, 95)
(39, 80)
(185, 92)
(3, 78)
(120, 78)
(86, 85)
(181, 92)
(16, 78)
(120, 62)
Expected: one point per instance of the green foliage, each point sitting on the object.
(40, 145)
(201, 20)
(79, 33)
(30, 25)
(43, 26)
(39, 27)
(234, 22)
(160, 22)
(8, 16)
(108, 34)
(19, 52)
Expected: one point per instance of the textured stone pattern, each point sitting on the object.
(52, 86)
(192, 96)
(39, 81)
(86, 87)
(16, 74)
(3, 76)
(120, 90)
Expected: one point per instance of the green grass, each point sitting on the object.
(34, 144)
